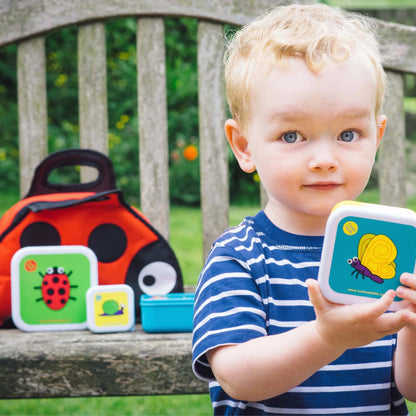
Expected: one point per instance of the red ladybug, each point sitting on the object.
(55, 288)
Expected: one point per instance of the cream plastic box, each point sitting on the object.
(110, 308)
(49, 284)
(366, 249)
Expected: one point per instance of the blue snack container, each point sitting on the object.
(167, 313)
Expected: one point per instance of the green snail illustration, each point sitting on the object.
(111, 307)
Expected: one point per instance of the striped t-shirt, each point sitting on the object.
(253, 285)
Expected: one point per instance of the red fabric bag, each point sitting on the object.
(94, 214)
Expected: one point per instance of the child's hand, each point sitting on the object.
(405, 355)
(350, 326)
(408, 293)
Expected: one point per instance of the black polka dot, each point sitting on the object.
(40, 234)
(108, 241)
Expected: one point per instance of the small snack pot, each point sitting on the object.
(172, 312)
(110, 308)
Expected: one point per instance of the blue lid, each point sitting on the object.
(169, 299)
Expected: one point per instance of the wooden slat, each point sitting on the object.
(398, 45)
(82, 364)
(153, 130)
(213, 145)
(33, 125)
(92, 84)
(391, 163)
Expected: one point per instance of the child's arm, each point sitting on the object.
(268, 366)
(405, 357)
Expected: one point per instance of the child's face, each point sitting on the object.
(312, 138)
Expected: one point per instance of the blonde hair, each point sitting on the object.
(315, 33)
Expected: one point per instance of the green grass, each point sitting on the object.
(195, 405)
(186, 241)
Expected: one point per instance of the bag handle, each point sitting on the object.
(73, 157)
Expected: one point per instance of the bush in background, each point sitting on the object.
(63, 128)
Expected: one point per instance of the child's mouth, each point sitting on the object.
(323, 186)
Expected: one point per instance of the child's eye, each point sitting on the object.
(291, 137)
(348, 136)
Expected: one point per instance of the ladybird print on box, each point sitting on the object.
(366, 249)
(55, 287)
(49, 284)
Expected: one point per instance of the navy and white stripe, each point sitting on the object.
(253, 285)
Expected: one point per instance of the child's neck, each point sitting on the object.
(297, 222)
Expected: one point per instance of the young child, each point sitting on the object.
(305, 87)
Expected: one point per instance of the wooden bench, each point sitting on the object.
(79, 363)
(82, 364)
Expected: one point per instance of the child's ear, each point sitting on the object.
(239, 146)
(381, 128)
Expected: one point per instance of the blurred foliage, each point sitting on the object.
(63, 128)
(182, 86)
(9, 176)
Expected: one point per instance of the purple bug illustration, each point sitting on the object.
(375, 260)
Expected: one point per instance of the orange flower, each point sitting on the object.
(190, 152)
(175, 155)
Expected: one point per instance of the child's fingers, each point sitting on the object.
(315, 295)
(371, 310)
(408, 280)
(391, 323)
(408, 291)
(407, 294)
(409, 318)
(381, 305)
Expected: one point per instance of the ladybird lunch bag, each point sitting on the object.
(94, 214)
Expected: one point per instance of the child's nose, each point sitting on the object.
(323, 158)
